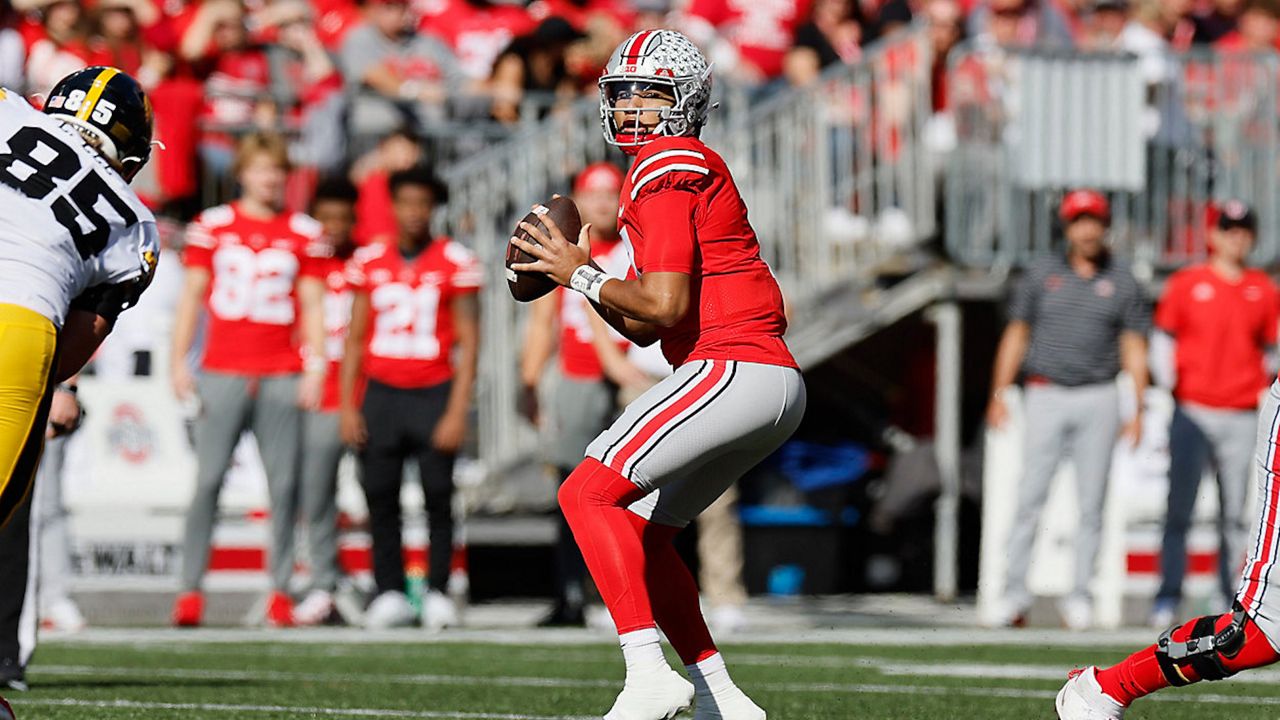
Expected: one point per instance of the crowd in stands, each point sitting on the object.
(338, 75)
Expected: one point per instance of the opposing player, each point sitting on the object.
(699, 286)
(76, 249)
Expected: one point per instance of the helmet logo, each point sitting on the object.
(664, 72)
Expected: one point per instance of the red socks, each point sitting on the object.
(1140, 674)
(640, 576)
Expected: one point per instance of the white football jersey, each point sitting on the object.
(68, 221)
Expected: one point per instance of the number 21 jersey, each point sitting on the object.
(68, 221)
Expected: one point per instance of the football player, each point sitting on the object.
(697, 285)
(77, 248)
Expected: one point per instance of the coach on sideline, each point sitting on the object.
(1220, 318)
(1075, 320)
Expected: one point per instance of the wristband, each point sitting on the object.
(588, 281)
(315, 364)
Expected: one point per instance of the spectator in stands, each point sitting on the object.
(747, 45)
(1215, 20)
(375, 216)
(945, 19)
(117, 39)
(255, 268)
(592, 365)
(1075, 320)
(532, 69)
(61, 48)
(1020, 23)
(833, 34)
(13, 50)
(397, 77)
(334, 207)
(1215, 323)
(477, 31)
(306, 83)
(1104, 25)
(414, 334)
(1258, 29)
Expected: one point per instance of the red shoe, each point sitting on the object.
(279, 610)
(188, 609)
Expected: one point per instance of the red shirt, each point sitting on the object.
(762, 32)
(375, 215)
(337, 319)
(410, 318)
(1221, 330)
(578, 357)
(477, 33)
(681, 212)
(252, 303)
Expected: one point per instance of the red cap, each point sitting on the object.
(598, 176)
(1084, 202)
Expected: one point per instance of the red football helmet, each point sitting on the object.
(1084, 202)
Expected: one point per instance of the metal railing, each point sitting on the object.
(1164, 136)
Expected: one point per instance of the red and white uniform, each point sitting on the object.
(1222, 330)
(252, 302)
(337, 320)
(578, 357)
(681, 212)
(477, 33)
(760, 32)
(410, 319)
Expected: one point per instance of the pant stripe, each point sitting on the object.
(695, 395)
(1264, 548)
(656, 408)
(672, 427)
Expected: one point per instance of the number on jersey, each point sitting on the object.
(253, 286)
(405, 327)
(36, 161)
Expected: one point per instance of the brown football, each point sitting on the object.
(527, 286)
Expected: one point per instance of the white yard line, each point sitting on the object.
(286, 676)
(290, 710)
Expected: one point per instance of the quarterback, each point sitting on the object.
(697, 285)
(77, 247)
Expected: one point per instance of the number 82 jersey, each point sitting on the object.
(72, 231)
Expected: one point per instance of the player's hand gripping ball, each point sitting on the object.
(526, 286)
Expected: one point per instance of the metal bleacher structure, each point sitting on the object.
(872, 206)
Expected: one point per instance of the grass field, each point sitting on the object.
(340, 675)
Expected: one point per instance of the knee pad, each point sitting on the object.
(1206, 650)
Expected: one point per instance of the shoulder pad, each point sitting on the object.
(217, 216)
(670, 163)
(369, 253)
(305, 225)
(458, 254)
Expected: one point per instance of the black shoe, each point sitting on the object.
(564, 615)
(12, 675)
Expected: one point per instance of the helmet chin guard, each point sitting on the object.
(664, 61)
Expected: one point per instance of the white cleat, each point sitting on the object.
(391, 609)
(1082, 699)
(731, 705)
(63, 615)
(315, 609)
(1077, 613)
(439, 611)
(660, 696)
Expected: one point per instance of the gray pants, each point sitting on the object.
(318, 495)
(1201, 437)
(1080, 421)
(231, 404)
(49, 519)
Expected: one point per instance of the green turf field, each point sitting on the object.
(173, 678)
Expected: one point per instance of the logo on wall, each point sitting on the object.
(130, 436)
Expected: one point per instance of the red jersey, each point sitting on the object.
(410, 318)
(375, 215)
(578, 357)
(1221, 330)
(337, 319)
(252, 302)
(681, 212)
(477, 32)
(762, 32)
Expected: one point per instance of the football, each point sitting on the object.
(527, 286)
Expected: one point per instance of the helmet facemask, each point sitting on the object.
(658, 74)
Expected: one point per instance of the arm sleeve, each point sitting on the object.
(1137, 316)
(467, 276)
(1168, 317)
(198, 251)
(666, 219)
(1026, 294)
(356, 275)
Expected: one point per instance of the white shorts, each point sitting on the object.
(688, 438)
(1259, 594)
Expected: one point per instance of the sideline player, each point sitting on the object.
(1212, 647)
(589, 374)
(77, 248)
(699, 286)
(255, 267)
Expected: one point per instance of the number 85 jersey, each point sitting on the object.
(69, 223)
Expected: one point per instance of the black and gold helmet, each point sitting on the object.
(111, 108)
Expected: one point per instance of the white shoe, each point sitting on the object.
(391, 609)
(731, 705)
(63, 615)
(660, 696)
(439, 611)
(1163, 614)
(315, 608)
(1082, 699)
(726, 619)
(1005, 614)
(1077, 613)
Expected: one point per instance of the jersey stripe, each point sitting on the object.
(635, 173)
(664, 170)
(95, 92)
